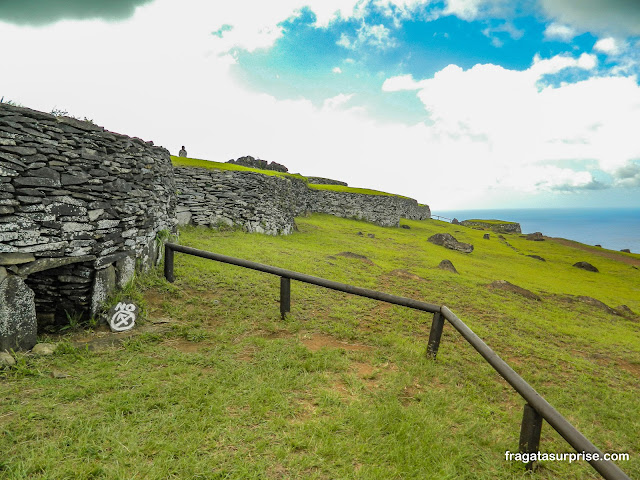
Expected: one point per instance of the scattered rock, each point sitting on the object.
(356, 256)
(407, 227)
(447, 265)
(536, 237)
(598, 245)
(7, 360)
(455, 221)
(448, 241)
(537, 257)
(501, 237)
(44, 349)
(625, 250)
(360, 234)
(371, 235)
(510, 287)
(585, 266)
(486, 236)
(249, 161)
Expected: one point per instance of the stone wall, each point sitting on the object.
(325, 181)
(269, 204)
(79, 206)
(384, 210)
(496, 226)
(252, 201)
(249, 161)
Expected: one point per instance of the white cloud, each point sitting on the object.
(345, 41)
(401, 82)
(336, 70)
(336, 102)
(464, 9)
(608, 45)
(558, 31)
(377, 36)
(558, 63)
(504, 121)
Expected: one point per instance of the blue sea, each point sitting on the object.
(613, 228)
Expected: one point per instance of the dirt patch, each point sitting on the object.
(632, 368)
(102, 338)
(410, 393)
(620, 257)
(307, 410)
(406, 274)
(183, 345)
(278, 335)
(364, 370)
(510, 287)
(357, 256)
(316, 341)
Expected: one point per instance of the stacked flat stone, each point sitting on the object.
(249, 161)
(325, 181)
(268, 204)
(78, 206)
(254, 202)
(383, 210)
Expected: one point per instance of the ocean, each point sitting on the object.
(613, 228)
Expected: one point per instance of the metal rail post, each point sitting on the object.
(435, 334)
(285, 296)
(168, 263)
(530, 432)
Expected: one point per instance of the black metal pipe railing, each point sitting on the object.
(536, 408)
(302, 277)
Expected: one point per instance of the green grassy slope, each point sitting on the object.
(341, 388)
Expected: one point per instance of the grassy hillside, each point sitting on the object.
(215, 385)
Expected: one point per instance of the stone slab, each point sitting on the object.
(48, 263)
(18, 324)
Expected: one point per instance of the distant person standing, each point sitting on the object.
(182, 152)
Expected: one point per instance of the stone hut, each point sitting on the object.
(80, 210)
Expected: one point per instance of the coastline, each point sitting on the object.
(612, 228)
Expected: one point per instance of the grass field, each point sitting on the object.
(215, 385)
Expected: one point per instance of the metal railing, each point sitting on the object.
(536, 409)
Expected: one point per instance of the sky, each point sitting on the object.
(460, 104)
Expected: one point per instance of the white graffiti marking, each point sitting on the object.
(124, 318)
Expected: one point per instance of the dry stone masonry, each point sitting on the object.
(268, 204)
(251, 201)
(249, 161)
(79, 206)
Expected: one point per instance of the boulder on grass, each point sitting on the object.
(586, 266)
(536, 237)
(448, 241)
(448, 266)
